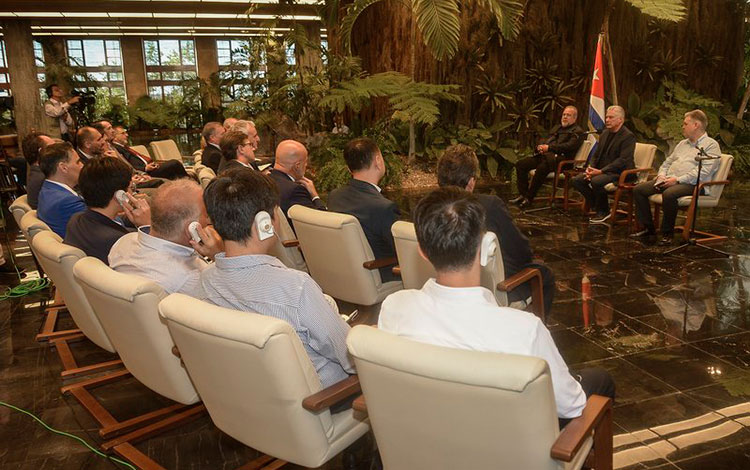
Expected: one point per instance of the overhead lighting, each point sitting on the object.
(174, 15)
(216, 15)
(78, 14)
(280, 17)
(37, 14)
(127, 14)
(56, 27)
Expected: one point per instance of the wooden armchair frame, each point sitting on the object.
(625, 188)
(705, 237)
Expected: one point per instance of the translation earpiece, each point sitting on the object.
(487, 248)
(264, 225)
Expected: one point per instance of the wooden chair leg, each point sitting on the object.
(657, 216)
(70, 366)
(615, 207)
(48, 329)
(688, 222)
(259, 463)
(603, 443)
(158, 427)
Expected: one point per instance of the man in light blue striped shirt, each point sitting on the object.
(677, 176)
(245, 277)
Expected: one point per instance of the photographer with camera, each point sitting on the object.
(59, 121)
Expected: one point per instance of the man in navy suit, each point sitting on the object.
(212, 134)
(289, 174)
(58, 201)
(361, 198)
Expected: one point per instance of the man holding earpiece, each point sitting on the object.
(245, 277)
(453, 310)
(165, 251)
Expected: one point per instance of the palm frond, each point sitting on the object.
(669, 10)
(439, 23)
(508, 14)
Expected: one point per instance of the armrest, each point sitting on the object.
(332, 395)
(564, 163)
(396, 270)
(712, 183)
(380, 263)
(290, 243)
(624, 175)
(537, 293)
(597, 415)
(359, 404)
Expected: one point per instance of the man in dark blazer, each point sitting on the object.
(212, 134)
(562, 144)
(169, 169)
(289, 174)
(32, 147)
(361, 198)
(458, 166)
(238, 152)
(57, 199)
(612, 156)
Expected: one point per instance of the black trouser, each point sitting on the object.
(669, 198)
(543, 164)
(20, 165)
(593, 190)
(523, 291)
(594, 381)
(170, 170)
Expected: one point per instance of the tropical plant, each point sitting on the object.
(439, 22)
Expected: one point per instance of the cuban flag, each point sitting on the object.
(596, 99)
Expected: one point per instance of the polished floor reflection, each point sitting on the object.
(674, 331)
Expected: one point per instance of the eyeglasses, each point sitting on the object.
(245, 144)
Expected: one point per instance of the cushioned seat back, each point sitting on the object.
(583, 151)
(335, 249)
(19, 208)
(58, 259)
(290, 256)
(198, 157)
(205, 175)
(142, 150)
(494, 272)
(643, 157)
(415, 270)
(252, 373)
(714, 192)
(31, 225)
(441, 408)
(165, 150)
(127, 307)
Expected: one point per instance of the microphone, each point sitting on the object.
(700, 158)
(588, 132)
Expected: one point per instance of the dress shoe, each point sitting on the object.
(524, 204)
(666, 239)
(646, 232)
(517, 200)
(600, 218)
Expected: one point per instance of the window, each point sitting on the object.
(100, 63)
(169, 63)
(39, 60)
(242, 67)
(4, 75)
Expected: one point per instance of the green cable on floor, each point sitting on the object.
(71, 436)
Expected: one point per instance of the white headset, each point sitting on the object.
(264, 225)
(487, 248)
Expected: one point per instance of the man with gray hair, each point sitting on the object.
(165, 251)
(677, 177)
(612, 156)
(248, 128)
(212, 134)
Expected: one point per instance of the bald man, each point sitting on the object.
(289, 174)
(228, 123)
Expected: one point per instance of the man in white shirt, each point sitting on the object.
(453, 310)
(165, 252)
(677, 177)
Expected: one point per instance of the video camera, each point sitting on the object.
(88, 98)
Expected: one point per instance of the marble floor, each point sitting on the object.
(673, 330)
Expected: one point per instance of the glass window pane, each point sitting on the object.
(98, 76)
(189, 75)
(154, 92)
(38, 54)
(169, 52)
(3, 78)
(151, 51)
(153, 75)
(75, 57)
(224, 56)
(114, 76)
(41, 77)
(94, 53)
(172, 75)
(188, 52)
(172, 91)
(3, 62)
(118, 91)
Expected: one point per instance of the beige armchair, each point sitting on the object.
(127, 307)
(339, 256)
(205, 175)
(19, 208)
(165, 150)
(286, 248)
(58, 260)
(415, 271)
(30, 226)
(558, 175)
(713, 188)
(643, 159)
(271, 400)
(437, 408)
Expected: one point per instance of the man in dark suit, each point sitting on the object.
(562, 144)
(458, 166)
(289, 174)
(32, 146)
(361, 198)
(238, 152)
(57, 199)
(612, 156)
(170, 169)
(212, 134)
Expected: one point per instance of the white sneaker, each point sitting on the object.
(599, 218)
